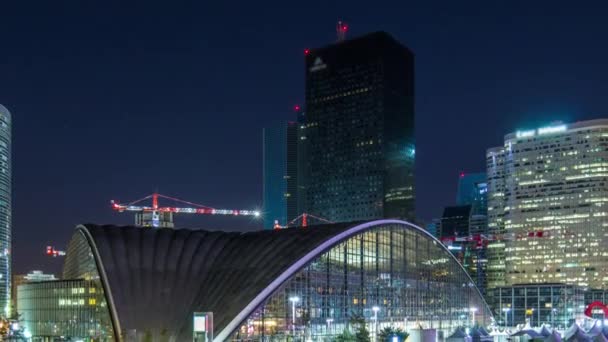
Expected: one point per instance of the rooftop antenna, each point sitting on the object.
(341, 28)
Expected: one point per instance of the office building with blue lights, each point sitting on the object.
(280, 170)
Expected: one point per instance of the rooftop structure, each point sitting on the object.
(274, 282)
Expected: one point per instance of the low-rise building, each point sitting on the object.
(555, 304)
(64, 308)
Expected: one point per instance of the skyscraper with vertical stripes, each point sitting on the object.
(5, 209)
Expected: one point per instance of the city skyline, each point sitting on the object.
(189, 129)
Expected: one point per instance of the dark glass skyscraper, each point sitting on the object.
(280, 173)
(472, 190)
(360, 130)
(5, 209)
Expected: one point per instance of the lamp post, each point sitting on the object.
(506, 311)
(570, 310)
(293, 301)
(375, 309)
(473, 311)
(532, 318)
(329, 321)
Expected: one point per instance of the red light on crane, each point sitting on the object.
(51, 251)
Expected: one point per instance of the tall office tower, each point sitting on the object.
(360, 130)
(495, 165)
(472, 188)
(548, 194)
(5, 209)
(280, 173)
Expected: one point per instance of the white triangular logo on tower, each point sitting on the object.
(317, 65)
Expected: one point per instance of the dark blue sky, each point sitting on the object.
(115, 100)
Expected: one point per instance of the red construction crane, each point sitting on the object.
(155, 216)
(304, 217)
(51, 251)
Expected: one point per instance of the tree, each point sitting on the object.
(388, 333)
(345, 336)
(362, 334)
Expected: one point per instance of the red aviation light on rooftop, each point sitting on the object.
(461, 174)
(296, 108)
(306, 51)
(344, 28)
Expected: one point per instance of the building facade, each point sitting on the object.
(472, 190)
(360, 130)
(558, 305)
(5, 210)
(548, 199)
(19, 279)
(275, 285)
(65, 308)
(280, 158)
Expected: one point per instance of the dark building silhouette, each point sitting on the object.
(359, 131)
(455, 221)
(280, 159)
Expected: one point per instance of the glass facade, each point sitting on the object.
(472, 190)
(411, 279)
(280, 174)
(549, 200)
(73, 309)
(5, 210)
(557, 305)
(360, 130)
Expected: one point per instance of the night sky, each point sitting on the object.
(113, 100)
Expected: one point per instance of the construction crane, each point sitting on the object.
(51, 251)
(156, 216)
(304, 221)
(341, 29)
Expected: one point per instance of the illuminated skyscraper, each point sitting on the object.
(548, 196)
(360, 130)
(5, 208)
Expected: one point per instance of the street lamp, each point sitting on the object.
(375, 309)
(329, 321)
(566, 317)
(506, 311)
(473, 311)
(293, 301)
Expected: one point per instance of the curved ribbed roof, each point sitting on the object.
(159, 277)
(156, 278)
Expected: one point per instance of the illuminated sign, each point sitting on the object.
(541, 131)
(552, 129)
(525, 134)
(203, 326)
(318, 65)
(200, 323)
